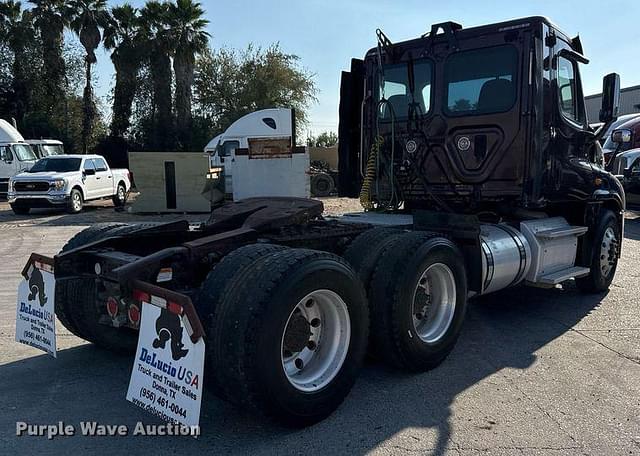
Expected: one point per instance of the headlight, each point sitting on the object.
(58, 184)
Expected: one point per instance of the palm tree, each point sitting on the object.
(189, 38)
(88, 17)
(50, 17)
(16, 31)
(157, 46)
(122, 36)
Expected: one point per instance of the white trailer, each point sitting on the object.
(259, 157)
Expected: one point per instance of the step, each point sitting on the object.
(565, 274)
(556, 233)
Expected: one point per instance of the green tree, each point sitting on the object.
(325, 139)
(88, 17)
(188, 37)
(122, 37)
(157, 46)
(17, 33)
(51, 17)
(229, 85)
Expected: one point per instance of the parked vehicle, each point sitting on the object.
(67, 181)
(446, 140)
(46, 147)
(15, 155)
(623, 137)
(258, 156)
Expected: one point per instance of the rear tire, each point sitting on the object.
(418, 301)
(76, 306)
(75, 201)
(261, 331)
(19, 209)
(602, 256)
(64, 305)
(365, 250)
(223, 277)
(120, 198)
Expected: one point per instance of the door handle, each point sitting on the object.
(109, 177)
(97, 177)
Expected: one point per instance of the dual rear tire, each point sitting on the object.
(290, 345)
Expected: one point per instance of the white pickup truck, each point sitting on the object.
(67, 181)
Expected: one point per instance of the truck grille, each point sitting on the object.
(31, 186)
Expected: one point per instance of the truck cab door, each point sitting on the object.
(91, 186)
(572, 142)
(7, 168)
(104, 179)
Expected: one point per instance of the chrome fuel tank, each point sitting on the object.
(506, 257)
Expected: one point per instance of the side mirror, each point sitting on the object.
(621, 136)
(610, 97)
(89, 172)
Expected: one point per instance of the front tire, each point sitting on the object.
(291, 336)
(602, 255)
(75, 201)
(418, 301)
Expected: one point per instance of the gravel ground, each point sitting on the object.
(536, 372)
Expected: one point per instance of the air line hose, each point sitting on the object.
(365, 191)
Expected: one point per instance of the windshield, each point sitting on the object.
(24, 152)
(58, 165)
(51, 149)
(396, 89)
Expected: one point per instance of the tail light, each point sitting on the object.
(134, 314)
(112, 306)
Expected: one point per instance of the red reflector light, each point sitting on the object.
(134, 314)
(112, 306)
(141, 296)
(174, 308)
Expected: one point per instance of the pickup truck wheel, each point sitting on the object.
(418, 300)
(120, 198)
(223, 277)
(19, 209)
(603, 260)
(65, 300)
(75, 201)
(290, 345)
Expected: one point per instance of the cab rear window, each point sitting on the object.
(481, 81)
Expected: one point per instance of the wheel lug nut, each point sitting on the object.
(315, 322)
(299, 363)
(311, 345)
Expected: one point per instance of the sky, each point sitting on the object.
(327, 34)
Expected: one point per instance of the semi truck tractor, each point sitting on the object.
(471, 153)
(16, 155)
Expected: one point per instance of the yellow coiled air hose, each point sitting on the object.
(365, 191)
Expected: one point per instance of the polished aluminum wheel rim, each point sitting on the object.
(326, 340)
(121, 194)
(434, 303)
(608, 251)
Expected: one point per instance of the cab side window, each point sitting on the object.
(5, 154)
(88, 165)
(567, 88)
(229, 147)
(100, 164)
